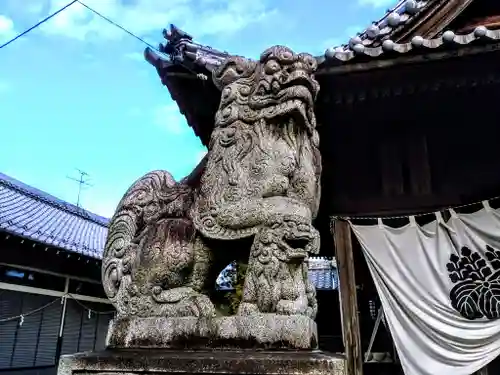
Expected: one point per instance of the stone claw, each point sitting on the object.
(286, 307)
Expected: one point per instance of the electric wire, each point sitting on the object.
(88, 8)
(38, 24)
(117, 25)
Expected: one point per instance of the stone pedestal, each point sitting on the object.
(256, 344)
(262, 331)
(203, 362)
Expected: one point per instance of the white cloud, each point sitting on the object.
(200, 155)
(377, 3)
(33, 6)
(136, 56)
(200, 17)
(332, 42)
(353, 30)
(4, 87)
(6, 28)
(99, 206)
(134, 111)
(169, 118)
(343, 38)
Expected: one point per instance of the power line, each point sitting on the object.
(199, 76)
(117, 25)
(88, 8)
(39, 23)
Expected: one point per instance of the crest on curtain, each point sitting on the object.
(476, 293)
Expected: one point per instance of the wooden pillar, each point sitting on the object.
(349, 304)
(483, 371)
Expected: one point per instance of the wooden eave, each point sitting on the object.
(432, 21)
(192, 89)
(419, 39)
(198, 98)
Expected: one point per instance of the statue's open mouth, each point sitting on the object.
(297, 246)
(293, 101)
(302, 114)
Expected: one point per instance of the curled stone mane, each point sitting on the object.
(234, 68)
(279, 87)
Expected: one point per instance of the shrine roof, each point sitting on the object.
(394, 20)
(411, 26)
(418, 44)
(33, 214)
(407, 18)
(198, 61)
(185, 66)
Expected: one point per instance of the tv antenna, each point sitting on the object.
(82, 182)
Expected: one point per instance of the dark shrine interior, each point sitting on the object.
(410, 139)
(415, 138)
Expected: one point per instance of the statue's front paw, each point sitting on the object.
(202, 306)
(286, 307)
(246, 308)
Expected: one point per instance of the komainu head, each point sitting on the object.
(279, 88)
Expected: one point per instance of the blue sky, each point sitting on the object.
(76, 92)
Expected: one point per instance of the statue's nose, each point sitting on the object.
(300, 77)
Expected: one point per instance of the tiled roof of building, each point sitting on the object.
(183, 51)
(33, 214)
(30, 213)
(395, 18)
(322, 273)
(417, 43)
(185, 66)
(400, 30)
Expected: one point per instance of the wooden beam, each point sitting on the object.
(57, 274)
(436, 21)
(349, 304)
(52, 293)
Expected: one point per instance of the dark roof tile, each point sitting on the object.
(395, 18)
(323, 273)
(36, 215)
(447, 39)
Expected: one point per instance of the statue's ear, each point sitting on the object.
(232, 69)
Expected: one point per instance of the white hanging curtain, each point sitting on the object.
(440, 289)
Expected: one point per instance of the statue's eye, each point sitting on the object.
(309, 61)
(271, 67)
